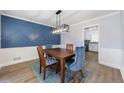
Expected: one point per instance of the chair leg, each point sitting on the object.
(44, 75)
(40, 69)
(76, 78)
(72, 79)
(57, 68)
(81, 73)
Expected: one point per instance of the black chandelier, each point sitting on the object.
(60, 27)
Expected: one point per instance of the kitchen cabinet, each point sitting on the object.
(93, 46)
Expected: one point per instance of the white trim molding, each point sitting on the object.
(96, 18)
(20, 18)
(110, 57)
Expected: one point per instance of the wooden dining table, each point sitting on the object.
(60, 54)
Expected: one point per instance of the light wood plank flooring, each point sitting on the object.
(22, 73)
(101, 73)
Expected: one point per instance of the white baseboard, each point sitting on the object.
(21, 61)
(110, 57)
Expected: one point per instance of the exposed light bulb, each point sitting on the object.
(64, 29)
(60, 30)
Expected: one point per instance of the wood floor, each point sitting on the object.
(101, 73)
(22, 73)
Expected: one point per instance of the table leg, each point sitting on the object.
(62, 64)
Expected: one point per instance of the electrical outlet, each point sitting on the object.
(16, 58)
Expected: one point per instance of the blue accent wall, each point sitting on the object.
(21, 33)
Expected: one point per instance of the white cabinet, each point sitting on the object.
(93, 46)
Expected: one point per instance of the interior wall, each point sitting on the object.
(75, 36)
(122, 63)
(0, 30)
(21, 33)
(9, 56)
(110, 41)
(109, 37)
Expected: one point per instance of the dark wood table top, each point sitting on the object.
(59, 53)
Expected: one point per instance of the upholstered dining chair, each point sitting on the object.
(44, 61)
(78, 63)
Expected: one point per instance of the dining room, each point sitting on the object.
(48, 46)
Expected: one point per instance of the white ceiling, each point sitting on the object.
(48, 16)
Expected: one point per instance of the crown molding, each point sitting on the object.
(96, 18)
(4, 14)
(93, 19)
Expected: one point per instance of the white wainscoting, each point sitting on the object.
(110, 57)
(9, 56)
(122, 66)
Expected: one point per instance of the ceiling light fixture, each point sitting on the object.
(60, 28)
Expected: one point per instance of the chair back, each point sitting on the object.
(69, 46)
(41, 55)
(79, 61)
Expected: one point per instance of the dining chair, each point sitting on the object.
(48, 46)
(44, 61)
(78, 63)
(69, 47)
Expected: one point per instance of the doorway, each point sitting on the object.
(91, 42)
